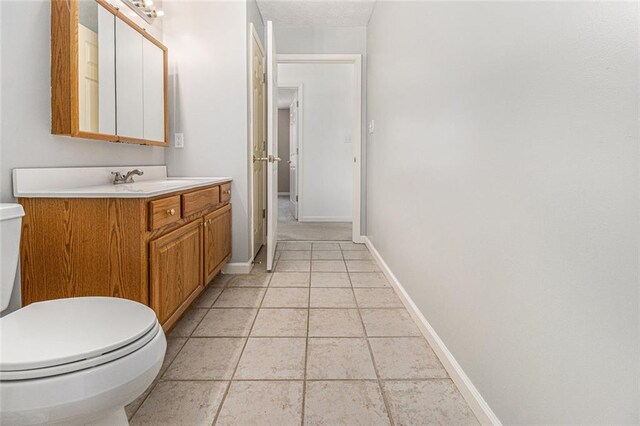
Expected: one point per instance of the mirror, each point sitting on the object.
(96, 69)
(109, 76)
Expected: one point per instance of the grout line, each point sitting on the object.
(235, 369)
(306, 349)
(375, 367)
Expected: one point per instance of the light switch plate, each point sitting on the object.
(179, 140)
(372, 126)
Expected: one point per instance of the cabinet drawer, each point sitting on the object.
(195, 201)
(225, 192)
(164, 211)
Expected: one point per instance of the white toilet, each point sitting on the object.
(71, 361)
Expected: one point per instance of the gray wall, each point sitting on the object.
(209, 100)
(283, 150)
(503, 194)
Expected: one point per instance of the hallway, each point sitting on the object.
(322, 340)
(289, 229)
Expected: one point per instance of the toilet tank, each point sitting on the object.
(10, 227)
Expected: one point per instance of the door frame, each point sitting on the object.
(253, 34)
(356, 61)
(299, 133)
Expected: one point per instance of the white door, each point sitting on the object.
(293, 155)
(259, 143)
(88, 79)
(272, 147)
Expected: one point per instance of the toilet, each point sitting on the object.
(71, 361)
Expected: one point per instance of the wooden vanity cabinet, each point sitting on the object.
(150, 250)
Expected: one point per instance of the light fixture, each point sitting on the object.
(145, 9)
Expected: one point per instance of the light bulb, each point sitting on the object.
(159, 13)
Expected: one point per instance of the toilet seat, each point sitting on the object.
(67, 335)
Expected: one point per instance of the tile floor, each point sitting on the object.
(321, 340)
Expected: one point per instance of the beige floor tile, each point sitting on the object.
(332, 298)
(368, 279)
(181, 403)
(326, 246)
(328, 266)
(206, 359)
(240, 298)
(327, 255)
(293, 245)
(272, 358)
(405, 358)
(286, 298)
(262, 403)
(207, 297)
(221, 280)
(293, 266)
(295, 255)
(290, 279)
(280, 322)
(427, 402)
(189, 321)
(250, 280)
(377, 298)
(330, 279)
(344, 403)
(357, 255)
(226, 323)
(335, 323)
(362, 266)
(174, 344)
(339, 358)
(349, 246)
(389, 322)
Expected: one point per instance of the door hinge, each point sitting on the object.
(296, 198)
(264, 213)
(264, 77)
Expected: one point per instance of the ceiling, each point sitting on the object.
(332, 13)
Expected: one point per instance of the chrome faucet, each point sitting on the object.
(128, 178)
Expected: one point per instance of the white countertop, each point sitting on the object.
(96, 182)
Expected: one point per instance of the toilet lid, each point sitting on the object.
(63, 331)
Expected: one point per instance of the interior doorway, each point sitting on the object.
(320, 124)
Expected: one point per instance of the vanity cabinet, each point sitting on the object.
(160, 251)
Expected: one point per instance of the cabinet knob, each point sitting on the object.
(171, 212)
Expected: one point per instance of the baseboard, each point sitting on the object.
(237, 268)
(324, 219)
(477, 403)
(284, 193)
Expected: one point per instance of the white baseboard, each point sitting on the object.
(324, 219)
(477, 403)
(284, 193)
(237, 268)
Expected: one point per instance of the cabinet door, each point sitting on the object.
(153, 91)
(176, 271)
(129, 83)
(217, 241)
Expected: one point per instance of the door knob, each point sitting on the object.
(273, 159)
(260, 158)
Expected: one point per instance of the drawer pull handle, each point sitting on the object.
(228, 191)
(171, 212)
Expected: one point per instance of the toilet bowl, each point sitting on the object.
(74, 361)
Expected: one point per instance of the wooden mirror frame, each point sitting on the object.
(65, 105)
